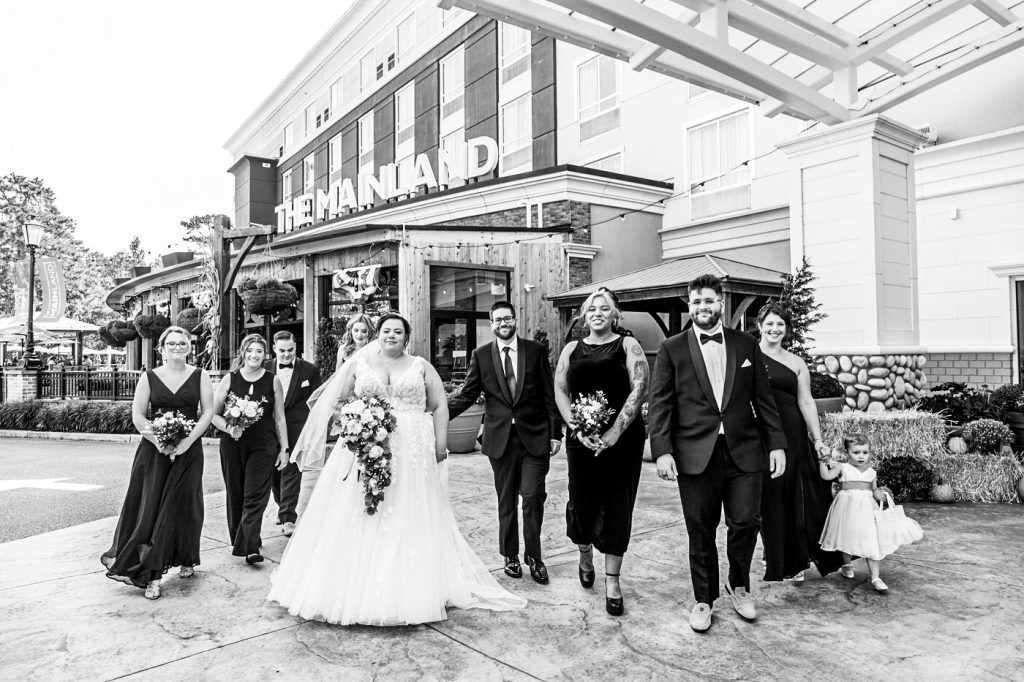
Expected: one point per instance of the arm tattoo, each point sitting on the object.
(631, 408)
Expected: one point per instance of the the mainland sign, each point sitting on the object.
(478, 156)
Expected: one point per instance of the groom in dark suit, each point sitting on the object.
(712, 416)
(298, 379)
(522, 429)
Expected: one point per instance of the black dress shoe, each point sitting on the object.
(613, 605)
(254, 558)
(512, 567)
(538, 571)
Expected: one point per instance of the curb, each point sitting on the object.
(95, 437)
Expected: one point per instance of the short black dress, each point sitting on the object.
(162, 515)
(794, 506)
(602, 489)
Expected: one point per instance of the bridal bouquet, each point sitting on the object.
(365, 424)
(169, 429)
(591, 414)
(241, 411)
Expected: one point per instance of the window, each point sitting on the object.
(405, 133)
(366, 71)
(516, 143)
(336, 99)
(612, 163)
(453, 82)
(286, 186)
(514, 52)
(405, 36)
(350, 85)
(308, 174)
(289, 139)
(449, 17)
(308, 117)
(366, 143)
(718, 168)
(597, 90)
(460, 300)
(334, 158)
(384, 57)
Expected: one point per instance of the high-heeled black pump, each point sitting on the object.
(587, 577)
(613, 605)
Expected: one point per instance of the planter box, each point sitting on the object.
(463, 430)
(826, 405)
(140, 270)
(175, 257)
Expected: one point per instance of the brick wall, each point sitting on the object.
(575, 213)
(993, 369)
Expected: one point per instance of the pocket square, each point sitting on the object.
(746, 363)
(305, 382)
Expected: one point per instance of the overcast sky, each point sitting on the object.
(123, 106)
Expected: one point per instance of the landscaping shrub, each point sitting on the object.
(957, 402)
(892, 433)
(1008, 398)
(69, 416)
(909, 478)
(825, 386)
(987, 436)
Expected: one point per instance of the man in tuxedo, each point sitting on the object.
(298, 379)
(522, 430)
(712, 416)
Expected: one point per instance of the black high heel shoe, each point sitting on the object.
(587, 577)
(613, 605)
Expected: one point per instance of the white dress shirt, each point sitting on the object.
(714, 360)
(285, 375)
(513, 354)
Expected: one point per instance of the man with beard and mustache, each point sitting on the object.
(712, 418)
(522, 429)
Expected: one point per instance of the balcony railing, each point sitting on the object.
(82, 384)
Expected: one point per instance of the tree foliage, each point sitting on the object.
(798, 297)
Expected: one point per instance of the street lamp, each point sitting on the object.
(33, 236)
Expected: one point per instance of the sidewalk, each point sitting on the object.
(954, 610)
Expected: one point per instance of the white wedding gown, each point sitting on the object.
(401, 566)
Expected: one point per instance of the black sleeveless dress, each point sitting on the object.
(794, 506)
(602, 489)
(162, 515)
(248, 466)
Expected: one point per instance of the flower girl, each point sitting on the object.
(851, 526)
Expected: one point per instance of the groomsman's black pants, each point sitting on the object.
(703, 496)
(286, 485)
(518, 473)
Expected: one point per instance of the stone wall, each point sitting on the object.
(992, 369)
(874, 383)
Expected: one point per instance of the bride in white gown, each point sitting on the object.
(408, 562)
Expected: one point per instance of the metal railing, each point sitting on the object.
(87, 384)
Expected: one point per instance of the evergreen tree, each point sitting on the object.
(798, 297)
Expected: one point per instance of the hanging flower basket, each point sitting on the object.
(108, 338)
(151, 326)
(122, 331)
(190, 318)
(266, 295)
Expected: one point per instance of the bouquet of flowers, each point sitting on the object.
(169, 429)
(241, 411)
(365, 424)
(591, 414)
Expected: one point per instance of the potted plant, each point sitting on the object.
(140, 270)
(1009, 400)
(176, 257)
(266, 295)
(151, 326)
(190, 318)
(122, 331)
(463, 430)
(987, 436)
(957, 402)
(105, 336)
(827, 392)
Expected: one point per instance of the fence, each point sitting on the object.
(82, 384)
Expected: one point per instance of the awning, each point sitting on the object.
(18, 325)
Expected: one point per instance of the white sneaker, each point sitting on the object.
(700, 617)
(742, 602)
(846, 570)
(798, 578)
(288, 528)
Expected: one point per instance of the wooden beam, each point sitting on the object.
(939, 9)
(660, 322)
(229, 280)
(995, 11)
(653, 26)
(766, 26)
(648, 55)
(251, 231)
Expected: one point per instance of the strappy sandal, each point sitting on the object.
(153, 589)
(613, 605)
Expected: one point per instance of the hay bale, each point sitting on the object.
(893, 433)
(981, 478)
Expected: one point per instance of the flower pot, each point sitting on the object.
(151, 326)
(1015, 420)
(189, 318)
(826, 405)
(140, 270)
(266, 301)
(175, 257)
(124, 334)
(463, 430)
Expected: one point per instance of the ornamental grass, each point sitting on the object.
(981, 478)
(893, 433)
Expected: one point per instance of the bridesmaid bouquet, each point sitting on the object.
(169, 429)
(241, 411)
(365, 424)
(591, 414)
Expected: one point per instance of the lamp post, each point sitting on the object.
(33, 236)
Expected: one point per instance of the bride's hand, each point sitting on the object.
(441, 454)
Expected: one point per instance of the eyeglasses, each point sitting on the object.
(503, 320)
(176, 344)
(704, 301)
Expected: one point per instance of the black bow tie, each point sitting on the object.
(285, 365)
(716, 337)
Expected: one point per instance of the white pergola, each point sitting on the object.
(824, 60)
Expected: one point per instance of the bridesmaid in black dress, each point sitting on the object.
(248, 457)
(162, 514)
(604, 470)
(793, 506)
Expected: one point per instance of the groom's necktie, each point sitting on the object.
(510, 373)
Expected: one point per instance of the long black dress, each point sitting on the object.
(794, 506)
(602, 489)
(162, 514)
(248, 466)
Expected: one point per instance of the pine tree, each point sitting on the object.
(798, 297)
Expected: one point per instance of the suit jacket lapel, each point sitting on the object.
(499, 371)
(520, 370)
(731, 358)
(296, 379)
(701, 369)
